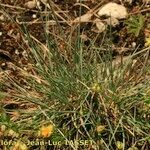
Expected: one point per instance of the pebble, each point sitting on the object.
(34, 16)
(31, 4)
(100, 25)
(113, 10)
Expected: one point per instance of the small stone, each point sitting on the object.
(24, 53)
(3, 64)
(113, 10)
(31, 4)
(100, 25)
(84, 18)
(16, 52)
(112, 21)
(133, 44)
(34, 16)
(129, 1)
(2, 18)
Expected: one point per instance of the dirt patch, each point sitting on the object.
(66, 11)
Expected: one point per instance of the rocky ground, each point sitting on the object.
(22, 12)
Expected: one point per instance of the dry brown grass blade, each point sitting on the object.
(11, 6)
(52, 5)
(86, 17)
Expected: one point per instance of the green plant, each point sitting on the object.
(78, 96)
(135, 24)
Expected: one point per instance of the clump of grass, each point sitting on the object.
(135, 24)
(106, 104)
(77, 97)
